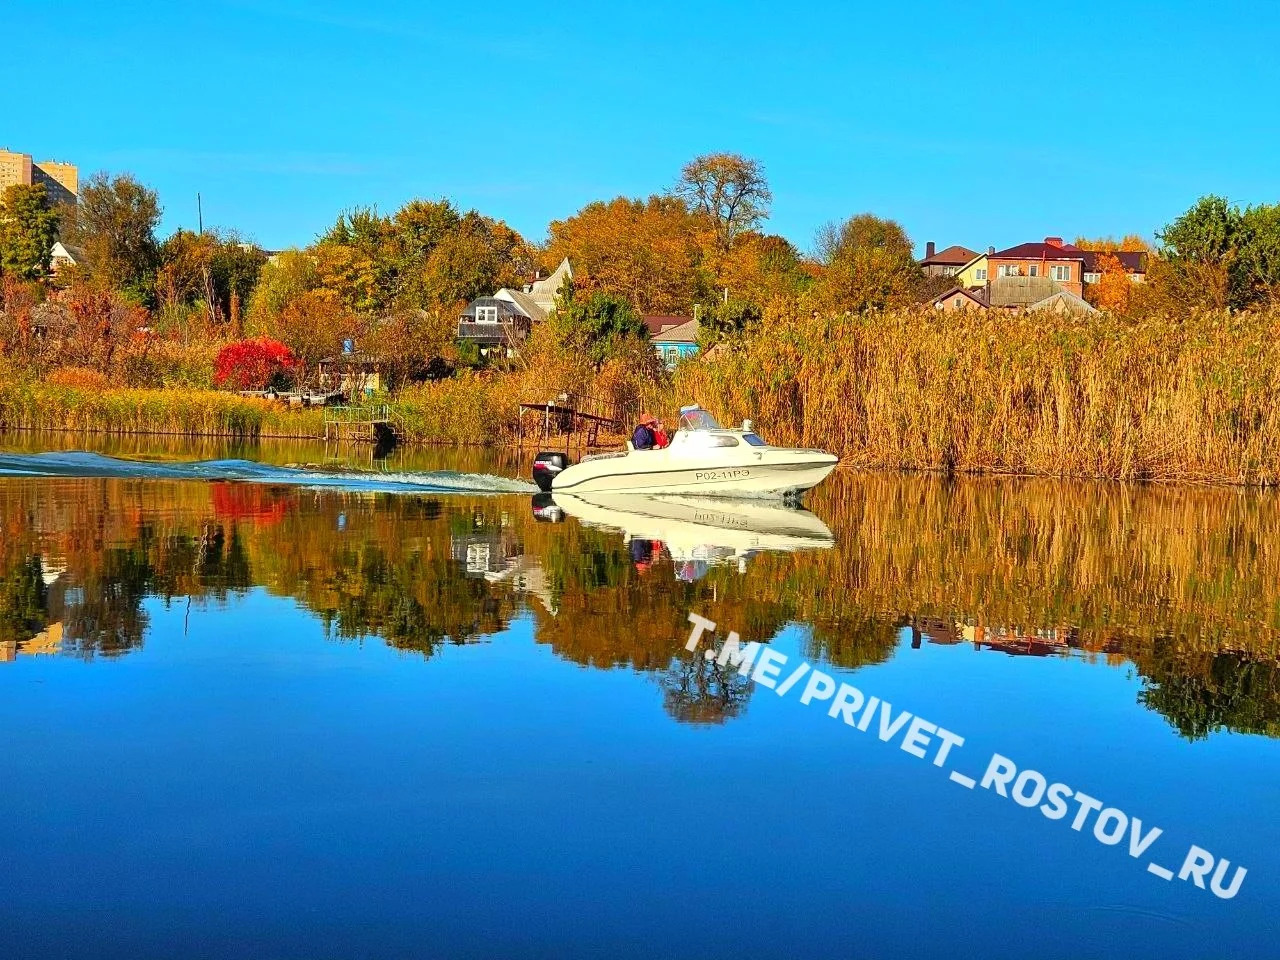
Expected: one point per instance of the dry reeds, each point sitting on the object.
(1163, 399)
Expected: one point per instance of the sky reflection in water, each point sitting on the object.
(256, 719)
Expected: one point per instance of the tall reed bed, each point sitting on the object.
(1163, 399)
(26, 405)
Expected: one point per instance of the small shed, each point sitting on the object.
(351, 373)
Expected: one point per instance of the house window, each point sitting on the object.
(486, 314)
(1062, 272)
(1033, 270)
(1092, 277)
(959, 302)
(980, 274)
(1007, 270)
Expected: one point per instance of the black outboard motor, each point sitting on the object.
(546, 467)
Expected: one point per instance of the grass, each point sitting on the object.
(207, 413)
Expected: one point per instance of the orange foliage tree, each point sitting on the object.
(647, 251)
(1113, 289)
(1129, 243)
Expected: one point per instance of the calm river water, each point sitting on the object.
(278, 712)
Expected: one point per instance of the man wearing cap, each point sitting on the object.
(643, 438)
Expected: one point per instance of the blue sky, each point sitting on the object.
(977, 124)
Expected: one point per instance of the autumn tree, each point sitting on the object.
(647, 252)
(114, 224)
(214, 270)
(758, 269)
(1113, 289)
(284, 278)
(427, 256)
(96, 326)
(728, 188)
(314, 325)
(1129, 243)
(28, 230)
(412, 344)
(868, 264)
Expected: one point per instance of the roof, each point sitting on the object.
(1064, 301)
(550, 285)
(1040, 251)
(506, 308)
(1134, 261)
(954, 255)
(977, 296)
(658, 322)
(1020, 291)
(73, 253)
(681, 333)
(524, 303)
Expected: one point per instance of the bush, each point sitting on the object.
(260, 364)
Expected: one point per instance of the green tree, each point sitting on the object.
(28, 230)
(1209, 232)
(1233, 255)
(869, 264)
(730, 189)
(114, 224)
(602, 325)
(1259, 260)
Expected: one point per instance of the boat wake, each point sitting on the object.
(248, 471)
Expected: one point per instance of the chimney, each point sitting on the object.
(929, 250)
(991, 251)
(1053, 241)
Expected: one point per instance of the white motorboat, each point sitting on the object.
(703, 459)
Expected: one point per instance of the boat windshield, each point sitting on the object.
(698, 420)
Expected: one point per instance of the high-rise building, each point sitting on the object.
(61, 180)
(14, 168)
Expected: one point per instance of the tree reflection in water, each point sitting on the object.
(1182, 583)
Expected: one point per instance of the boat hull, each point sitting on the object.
(784, 472)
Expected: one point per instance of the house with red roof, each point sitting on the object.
(946, 262)
(1060, 262)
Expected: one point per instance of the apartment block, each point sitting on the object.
(61, 180)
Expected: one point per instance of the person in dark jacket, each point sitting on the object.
(643, 438)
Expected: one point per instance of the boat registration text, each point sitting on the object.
(721, 474)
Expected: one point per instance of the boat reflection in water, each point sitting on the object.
(697, 533)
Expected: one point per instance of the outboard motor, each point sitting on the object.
(546, 467)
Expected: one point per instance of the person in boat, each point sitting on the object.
(644, 437)
(660, 438)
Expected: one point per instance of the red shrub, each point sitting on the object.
(254, 365)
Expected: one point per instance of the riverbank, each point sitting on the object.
(1192, 400)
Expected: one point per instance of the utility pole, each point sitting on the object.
(200, 214)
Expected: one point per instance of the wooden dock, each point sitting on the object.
(371, 424)
(571, 415)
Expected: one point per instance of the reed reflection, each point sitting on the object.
(1182, 583)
